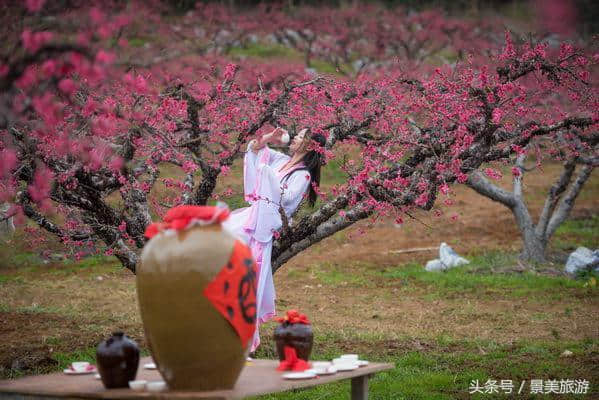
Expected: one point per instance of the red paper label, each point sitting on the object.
(233, 292)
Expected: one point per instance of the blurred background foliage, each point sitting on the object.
(587, 10)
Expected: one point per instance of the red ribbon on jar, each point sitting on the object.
(294, 317)
(184, 217)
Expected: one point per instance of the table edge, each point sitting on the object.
(371, 369)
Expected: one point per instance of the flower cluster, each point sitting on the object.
(115, 133)
(293, 317)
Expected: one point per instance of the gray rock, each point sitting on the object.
(293, 35)
(582, 259)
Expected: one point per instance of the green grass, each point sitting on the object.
(442, 372)
(480, 278)
(89, 354)
(272, 51)
(335, 275)
(444, 367)
(574, 233)
(234, 202)
(63, 360)
(139, 41)
(96, 261)
(12, 257)
(331, 174)
(259, 50)
(485, 277)
(37, 309)
(446, 371)
(327, 68)
(11, 279)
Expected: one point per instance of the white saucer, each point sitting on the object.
(97, 376)
(362, 363)
(299, 375)
(69, 371)
(349, 367)
(156, 386)
(328, 371)
(150, 366)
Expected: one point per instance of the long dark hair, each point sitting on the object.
(312, 161)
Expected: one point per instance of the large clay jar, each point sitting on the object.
(196, 290)
(118, 360)
(298, 336)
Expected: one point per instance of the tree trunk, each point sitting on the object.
(533, 247)
(7, 226)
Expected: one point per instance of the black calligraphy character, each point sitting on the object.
(247, 288)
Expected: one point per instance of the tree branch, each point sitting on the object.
(523, 140)
(307, 225)
(517, 191)
(483, 186)
(553, 197)
(322, 231)
(569, 199)
(43, 222)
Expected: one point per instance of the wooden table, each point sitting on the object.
(258, 377)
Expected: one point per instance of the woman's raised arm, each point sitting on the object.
(271, 137)
(258, 153)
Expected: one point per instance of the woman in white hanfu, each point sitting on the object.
(272, 180)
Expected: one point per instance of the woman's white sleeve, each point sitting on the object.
(264, 216)
(251, 163)
(250, 169)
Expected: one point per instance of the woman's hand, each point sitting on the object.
(276, 136)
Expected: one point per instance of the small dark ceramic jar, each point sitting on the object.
(299, 336)
(118, 360)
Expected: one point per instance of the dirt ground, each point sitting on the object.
(482, 225)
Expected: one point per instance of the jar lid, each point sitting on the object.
(184, 217)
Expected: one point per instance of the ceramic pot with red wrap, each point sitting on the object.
(197, 295)
(294, 332)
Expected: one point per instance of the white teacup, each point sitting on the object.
(156, 386)
(138, 385)
(343, 361)
(79, 366)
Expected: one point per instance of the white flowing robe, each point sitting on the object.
(266, 190)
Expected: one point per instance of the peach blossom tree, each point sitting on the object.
(83, 138)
